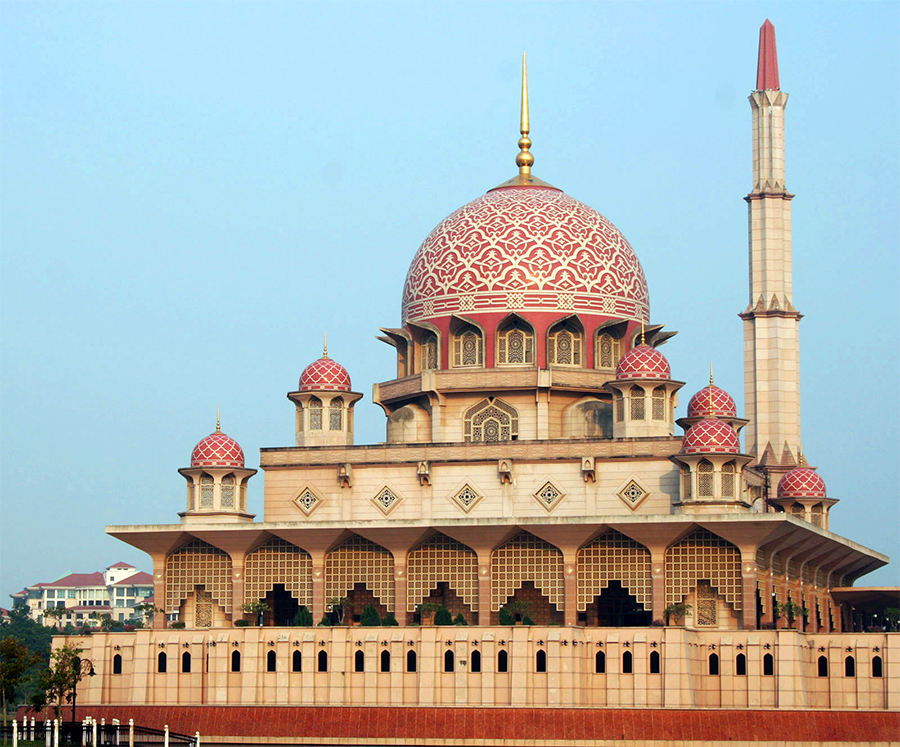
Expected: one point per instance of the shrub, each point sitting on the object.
(303, 618)
(657, 624)
(443, 616)
(506, 617)
(325, 622)
(370, 617)
(460, 620)
(527, 620)
(389, 620)
(178, 625)
(241, 623)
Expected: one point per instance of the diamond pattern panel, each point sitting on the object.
(326, 375)
(217, 450)
(643, 362)
(801, 482)
(711, 436)
(538, 248)
(712, 402)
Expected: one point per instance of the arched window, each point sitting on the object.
(448, 660)
(475, 664)
(627, 663)
(411, 661)
(636, 395)
(117, 664)
(206, 491)
(654, 662)
(714, 664)
(161, 662)
(467, 347)
(515, 343)
(271, 660)
(659, 403)
(849, 667)
(186, 662)
(491, 420)
(705, 479)
(823, 666)
(385, 661)
(798, 510)
(429, 351)
(600, 663)
(564, 345)
(740, 665)
(315, 414)
(607, 355)
(540, 661)
(877, 667)
(322, 661)
(768, 665)
(336, 414)
(620, 407)
(502, 661)
(228, 491)
(296, 662)
(235, 661)
(685, 482)
(816, 514)
(728, 473)
(359, 662)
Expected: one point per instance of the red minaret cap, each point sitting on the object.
(767, 67)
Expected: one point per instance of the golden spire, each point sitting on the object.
(710, 389)
(218, 420)
(643, 342)
(325, 347)
(710, 373)
(524, 160)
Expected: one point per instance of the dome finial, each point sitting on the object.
(643, 341)
(218, 420)
(710, 389)
(710, 373)
(524, 160)
(325, 346)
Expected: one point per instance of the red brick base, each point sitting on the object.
(507, 725)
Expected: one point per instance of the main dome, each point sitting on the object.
(525, 249)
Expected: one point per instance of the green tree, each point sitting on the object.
(54, 613)
(15, 661)
(460, 619)
(891, 618)
(36, 638)
(527, 620)
(507, 617)
(257, 609)
(390, 621)
(443, 616)
(370, 617)
(59, 680)
(339, 606)
(147, 610)
(676, 612)
(303, 618)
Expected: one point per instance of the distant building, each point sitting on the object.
(86, 596)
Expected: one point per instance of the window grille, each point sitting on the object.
(620, 407)
(491, 420)
(198, 564)
(636, 395)
(336, 414)
(607, 351)
(429, 352)
(659, 403)
(227, 491)
(798, 510)
(703, 555)
(442, 559)
(817, 515)
(300, 423)
(707, 602)
(728, 475)
(705, 480)
(613, 557)
(515, 343)
(685, 483)
(206, 491)
(277, 561)
(190, 489)
(467, 347)
(315, 414)
(360, 561)
(526, 558)
(565, 345)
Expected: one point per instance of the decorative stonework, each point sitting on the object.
(466, 497)
(549, 496)
(386, 499)
(307, 501)
(633, 493)
(553, 252)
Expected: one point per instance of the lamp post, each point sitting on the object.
(81, 668)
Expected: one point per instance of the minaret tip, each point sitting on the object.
(218, 420)
(525, 160)
(767, 66)
(325, 346)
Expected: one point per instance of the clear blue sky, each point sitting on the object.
(193, 192)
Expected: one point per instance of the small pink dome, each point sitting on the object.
(643, 362)
(217, 450)
(711, 436)
(801, 482)
(325, 374)
(722, 404)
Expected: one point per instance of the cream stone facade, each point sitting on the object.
(531, 467)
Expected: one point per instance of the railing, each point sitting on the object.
(91, 733)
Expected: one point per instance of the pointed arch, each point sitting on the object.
(637, 396)
(430, 351)
(658, 409)
(277, 561)
(526, 558)
(336, 414)
(607, 353)
(441, 559)
(705, 477)
(565, 343)
(702, 555)
(194, 564)
(613, 557)
(491, 419)
(515, 342)
(314, 406)
(358, 560)
(467, 345)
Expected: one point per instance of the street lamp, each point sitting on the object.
(81, 668)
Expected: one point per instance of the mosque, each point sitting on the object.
(664, 581)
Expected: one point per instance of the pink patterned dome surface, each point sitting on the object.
(217, 450)
(711, 436)
(643, 362)
(801, 482)
(722, 404)
(325, 374)
(525, 249)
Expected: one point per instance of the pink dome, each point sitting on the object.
(325, 374)
(711, 436)
(801, 482)
(712, 402)
(217, 450)
(525, 249)
(643, 362)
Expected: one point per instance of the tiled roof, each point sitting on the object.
(79, 579)
(138, 579)
(120, 565)
(86, 608)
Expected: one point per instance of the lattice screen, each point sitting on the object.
(198, 564)
(277, 561)
(359, 561)
(442, 559)
(703, 555)
(526, 558)
(613, 557)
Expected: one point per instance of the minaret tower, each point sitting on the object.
(771, 323)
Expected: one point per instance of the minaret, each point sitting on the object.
(771, 323)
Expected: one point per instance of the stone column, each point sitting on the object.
(658, 582)
(748, 588)
(159, 588)
(318, 586)
(484, 587)
(570, 581)
(237, 585)
(400, 591)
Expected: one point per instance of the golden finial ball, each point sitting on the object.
(524, 159)
(525, 142)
